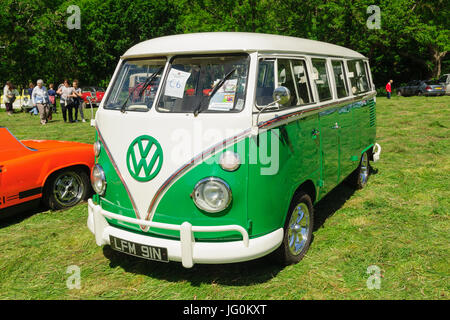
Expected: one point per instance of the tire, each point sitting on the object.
(66, 188)
(399, 93)
(297, 230)
(361, 174)
(419, 93)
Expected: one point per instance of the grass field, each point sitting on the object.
(399, 223)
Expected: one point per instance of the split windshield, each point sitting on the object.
(193, 84)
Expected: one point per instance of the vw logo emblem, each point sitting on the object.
(144, 158)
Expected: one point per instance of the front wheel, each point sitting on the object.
(66, 188)
(399, 93)
(297, 230)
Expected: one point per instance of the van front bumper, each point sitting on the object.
(186, 250)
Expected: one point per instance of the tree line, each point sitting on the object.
(410, 39)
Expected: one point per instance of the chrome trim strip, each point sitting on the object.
(303, 112)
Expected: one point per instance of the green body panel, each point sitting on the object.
(309, 149)
(116, 198)
(329, 150)
(299, 160)
(177, 206)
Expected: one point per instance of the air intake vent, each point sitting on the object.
(372, 114)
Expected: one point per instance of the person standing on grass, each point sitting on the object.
(77, 101)
(66, 100)
(30, 92)
(8, 97)
(52, 97)
(41, 101)
(389, 89)
(30, 89)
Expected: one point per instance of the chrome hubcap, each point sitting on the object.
(364, 171)
(298, 229)
(68, 189)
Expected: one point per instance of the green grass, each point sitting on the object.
(399, 222)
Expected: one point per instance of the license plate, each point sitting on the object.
(438, 88)
(139, 250)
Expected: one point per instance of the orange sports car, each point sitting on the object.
(55, 171)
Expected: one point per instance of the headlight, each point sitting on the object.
(97, 148)
(212, 195)
(229, 161)
(98, 179)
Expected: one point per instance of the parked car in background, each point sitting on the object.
(445, 80)
(422, 87)
(56, 172)
(96, 94)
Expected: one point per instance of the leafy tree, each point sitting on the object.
(35, 41)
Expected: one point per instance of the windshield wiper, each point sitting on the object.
(146, 82)
(213, 91)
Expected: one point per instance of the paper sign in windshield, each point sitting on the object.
(223, 99)
(176, 82)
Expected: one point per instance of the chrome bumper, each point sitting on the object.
(186, 249)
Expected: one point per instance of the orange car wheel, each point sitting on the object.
(66, 188)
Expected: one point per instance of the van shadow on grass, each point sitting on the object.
(334, 200)
(331, 203)
(234, 274)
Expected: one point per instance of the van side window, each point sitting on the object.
(369, 75)
(320, 77)
(286, 79)
(266, 82)
(358, 76)
(339, 78)
(301, 78)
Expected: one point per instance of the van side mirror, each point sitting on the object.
(282, 95)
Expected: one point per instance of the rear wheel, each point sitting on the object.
(399, 93)
(297, 230)
(66, 188)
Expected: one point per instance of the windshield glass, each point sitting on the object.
(190, 80)
(128, 92)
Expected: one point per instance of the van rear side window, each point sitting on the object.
(301, 78)
(358, 76)
(321, 80)
(339, 78)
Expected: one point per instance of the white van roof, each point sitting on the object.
(218, 42)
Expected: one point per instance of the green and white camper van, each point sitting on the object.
(214, 147)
